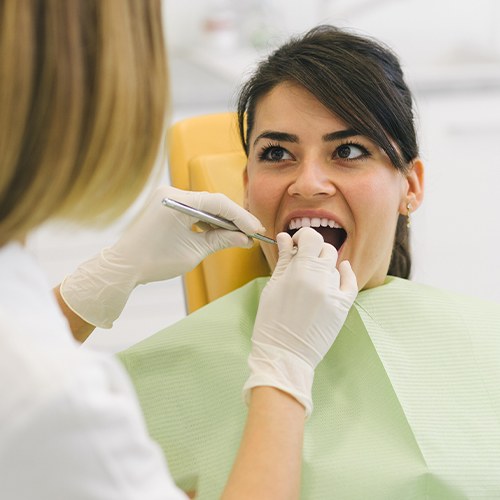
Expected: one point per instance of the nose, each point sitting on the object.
(312, 180)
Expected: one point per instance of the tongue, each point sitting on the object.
(334, 236)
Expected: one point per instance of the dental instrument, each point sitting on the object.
(209, 218)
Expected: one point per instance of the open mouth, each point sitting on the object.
(331, 231)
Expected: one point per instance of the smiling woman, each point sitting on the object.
(406, 400)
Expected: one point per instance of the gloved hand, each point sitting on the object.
(158, 245)
(301, 311)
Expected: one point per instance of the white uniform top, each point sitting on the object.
(70, 424)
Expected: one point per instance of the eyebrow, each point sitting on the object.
(286, 137)
(276, 136)
(341, 134)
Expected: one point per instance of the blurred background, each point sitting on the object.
(450, 51)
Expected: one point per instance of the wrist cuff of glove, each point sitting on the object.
(271, 366)
(98, 290)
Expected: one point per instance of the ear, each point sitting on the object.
(414, 193)
(245, 188)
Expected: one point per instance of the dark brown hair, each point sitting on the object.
(361, 81)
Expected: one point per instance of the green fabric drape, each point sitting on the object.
(406, 402)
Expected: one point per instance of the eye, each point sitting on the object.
(351, 152)
(274, 154)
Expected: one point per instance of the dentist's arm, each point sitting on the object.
(301, 311)
(269, 461)
(159, 244)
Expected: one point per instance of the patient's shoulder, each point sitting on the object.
(409, 299)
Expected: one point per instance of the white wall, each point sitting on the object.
(422, 30)
(456, 232)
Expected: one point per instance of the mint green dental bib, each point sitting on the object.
(406, 402)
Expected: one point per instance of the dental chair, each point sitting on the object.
(205, 154)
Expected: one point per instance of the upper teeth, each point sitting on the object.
(312, 222)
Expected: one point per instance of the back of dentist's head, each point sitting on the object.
(83, 93)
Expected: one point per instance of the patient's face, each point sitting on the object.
(306, 168)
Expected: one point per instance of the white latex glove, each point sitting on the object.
(158, 245)
(301, 311)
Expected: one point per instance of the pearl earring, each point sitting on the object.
(408, 220)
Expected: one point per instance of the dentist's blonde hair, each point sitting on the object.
(83, 93)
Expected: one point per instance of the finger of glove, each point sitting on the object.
(328, 258)
(329, 253)
(221, 205)
(348, 281)
(214, 203)
(285, 253)
(218, 239)
(309, 242)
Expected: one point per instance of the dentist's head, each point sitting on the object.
(83, 91)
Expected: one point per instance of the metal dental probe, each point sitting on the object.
(209, 218)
